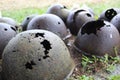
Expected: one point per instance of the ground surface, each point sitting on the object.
(17, 4)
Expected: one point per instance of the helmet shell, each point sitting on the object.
(109, 14)
(8, 20)
(25, 22)
(77, 18)
(116, 21)
(36, 55)
(59, 10)
(98, 38)
(49, 22)
(7, 32)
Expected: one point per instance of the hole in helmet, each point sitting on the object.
(46, 44)
(28, 18)
(39, 34)
(29, 65)
(5, 29)
(46, 56)
(92, 27)
(58, 22)
(39, 59)
(14, 51)
(110, 13)
(13, 28)
(64, 7)
(89, 15)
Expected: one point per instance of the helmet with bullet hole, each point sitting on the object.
(98, 38)
(7, 32)
(36, 55)
(49, 22)
(8, 20)
(77, 18)
(59, 10)
(109, 14)
(25, 22)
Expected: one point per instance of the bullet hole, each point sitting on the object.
(46, 44)
(28, 18)
(39, 34)
(58, 22)
(92, 27)
(13, 28)
(5, 29)
(29, 65)
(65, 7)
(110, 13)
(46, 56)
(89, 15)
(14, 51)
(39, 59)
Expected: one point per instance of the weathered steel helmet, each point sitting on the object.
(25, 22)
(59, 10)
(9, 21)
(109, 14)
(7, 32)
(116, 21)
(98, 38)
(77, 18)
(49, 22)
(36, 55)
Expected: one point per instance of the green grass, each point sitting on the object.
(100, 7)
(116, 77)
(92, 65)
(20, 14)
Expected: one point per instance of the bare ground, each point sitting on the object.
(17, 4)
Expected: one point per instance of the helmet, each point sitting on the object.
(36, 55)
(49, 22)
(98, 38)
(7, 32)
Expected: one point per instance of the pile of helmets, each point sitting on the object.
(101, 36)
(40, 50)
